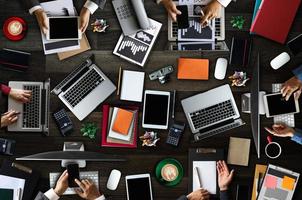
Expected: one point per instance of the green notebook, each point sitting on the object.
(7, 194)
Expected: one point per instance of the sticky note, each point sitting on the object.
(288, 183)
(271, 181)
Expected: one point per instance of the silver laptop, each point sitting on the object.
(84, 89)
(34, 115)
(212, 112)
(219, 27)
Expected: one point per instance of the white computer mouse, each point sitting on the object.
(220, 68)
(280, 60)
(114, 179)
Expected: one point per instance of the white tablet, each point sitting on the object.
(156, 109)
(63, 28)
(139, 187)
(275, 104)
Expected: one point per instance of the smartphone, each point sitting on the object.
(243, 192)
(295, 45)
(73, 173)
(182, 20)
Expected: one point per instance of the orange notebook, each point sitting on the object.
(122, 121)
(193, 69)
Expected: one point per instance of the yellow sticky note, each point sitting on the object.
(288, 183)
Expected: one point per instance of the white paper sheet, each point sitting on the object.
(17, 184)
(132, 85)
(208, 176)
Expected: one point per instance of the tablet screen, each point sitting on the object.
(156, 109)
(278, 105)
(63, 28)
(139, 189)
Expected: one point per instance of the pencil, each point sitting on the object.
(119, 81)
(199, 176)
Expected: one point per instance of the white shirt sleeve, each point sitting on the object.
(101, 198)
(51, 195)
(224, 3)
(91, 6)
(33, 9)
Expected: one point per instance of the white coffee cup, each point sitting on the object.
(273, 150)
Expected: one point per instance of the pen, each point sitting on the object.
(119, 81)
(199, 176)
(173, 106)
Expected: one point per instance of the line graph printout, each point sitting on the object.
(137, 47)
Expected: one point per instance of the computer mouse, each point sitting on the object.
(114, 179)
(220, 68)
(280, 60)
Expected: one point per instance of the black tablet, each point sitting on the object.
(63, 28)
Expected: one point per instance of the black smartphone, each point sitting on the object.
(73, 173)
(182, 20)
(243, 192)
(295, 45)
(240, 51)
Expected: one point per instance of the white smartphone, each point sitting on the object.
(275, 104)
(156, 109)
(139, 187)
(63, 28)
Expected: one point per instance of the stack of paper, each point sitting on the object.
(11, 183)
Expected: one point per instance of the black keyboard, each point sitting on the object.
(82, 88)
(31, 110)
(210, 115)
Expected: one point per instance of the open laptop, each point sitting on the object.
(34, 115)
(219, 27)
(212, 112)
(84, 89)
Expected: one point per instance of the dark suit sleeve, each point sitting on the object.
(183, 197)
(224, 195)
(100, 3)
(41, 196)
(31, 3)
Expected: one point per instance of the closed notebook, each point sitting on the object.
(193, 69)
(6, 194)
(122, 121)
(274, 19)
(239, 151)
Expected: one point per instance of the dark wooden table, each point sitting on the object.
(142, 159)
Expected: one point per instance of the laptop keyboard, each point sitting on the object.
(31, 110)
(82, 88)
(212, 114)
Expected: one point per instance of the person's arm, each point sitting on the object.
(5, 89)
(41, 196)
(224, 195)
(297, 137)
(32, 5)
(93, 5)
(224, 3)
(298, 72)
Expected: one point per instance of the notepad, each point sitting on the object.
(193, 69)
(132, 85)
(208, 175)
(17, 184)
(122, 121)
(239, 151)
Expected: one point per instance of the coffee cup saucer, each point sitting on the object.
(159, 167)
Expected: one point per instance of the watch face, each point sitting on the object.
(14, 28)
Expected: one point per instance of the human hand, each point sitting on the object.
(88, 190)
(20, 95)
(171, 9)
(62, 184)
(293, 85)
(281, 130)
(211, 11)
(9, 118)
(224, 176)
(200, 194)
(84, 19)
(42, 20)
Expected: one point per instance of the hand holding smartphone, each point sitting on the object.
(182, 20)
(73, 173)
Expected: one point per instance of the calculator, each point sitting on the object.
(63, 122)
(175, 133)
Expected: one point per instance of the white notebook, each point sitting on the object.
(132, 86)
(208, 176)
